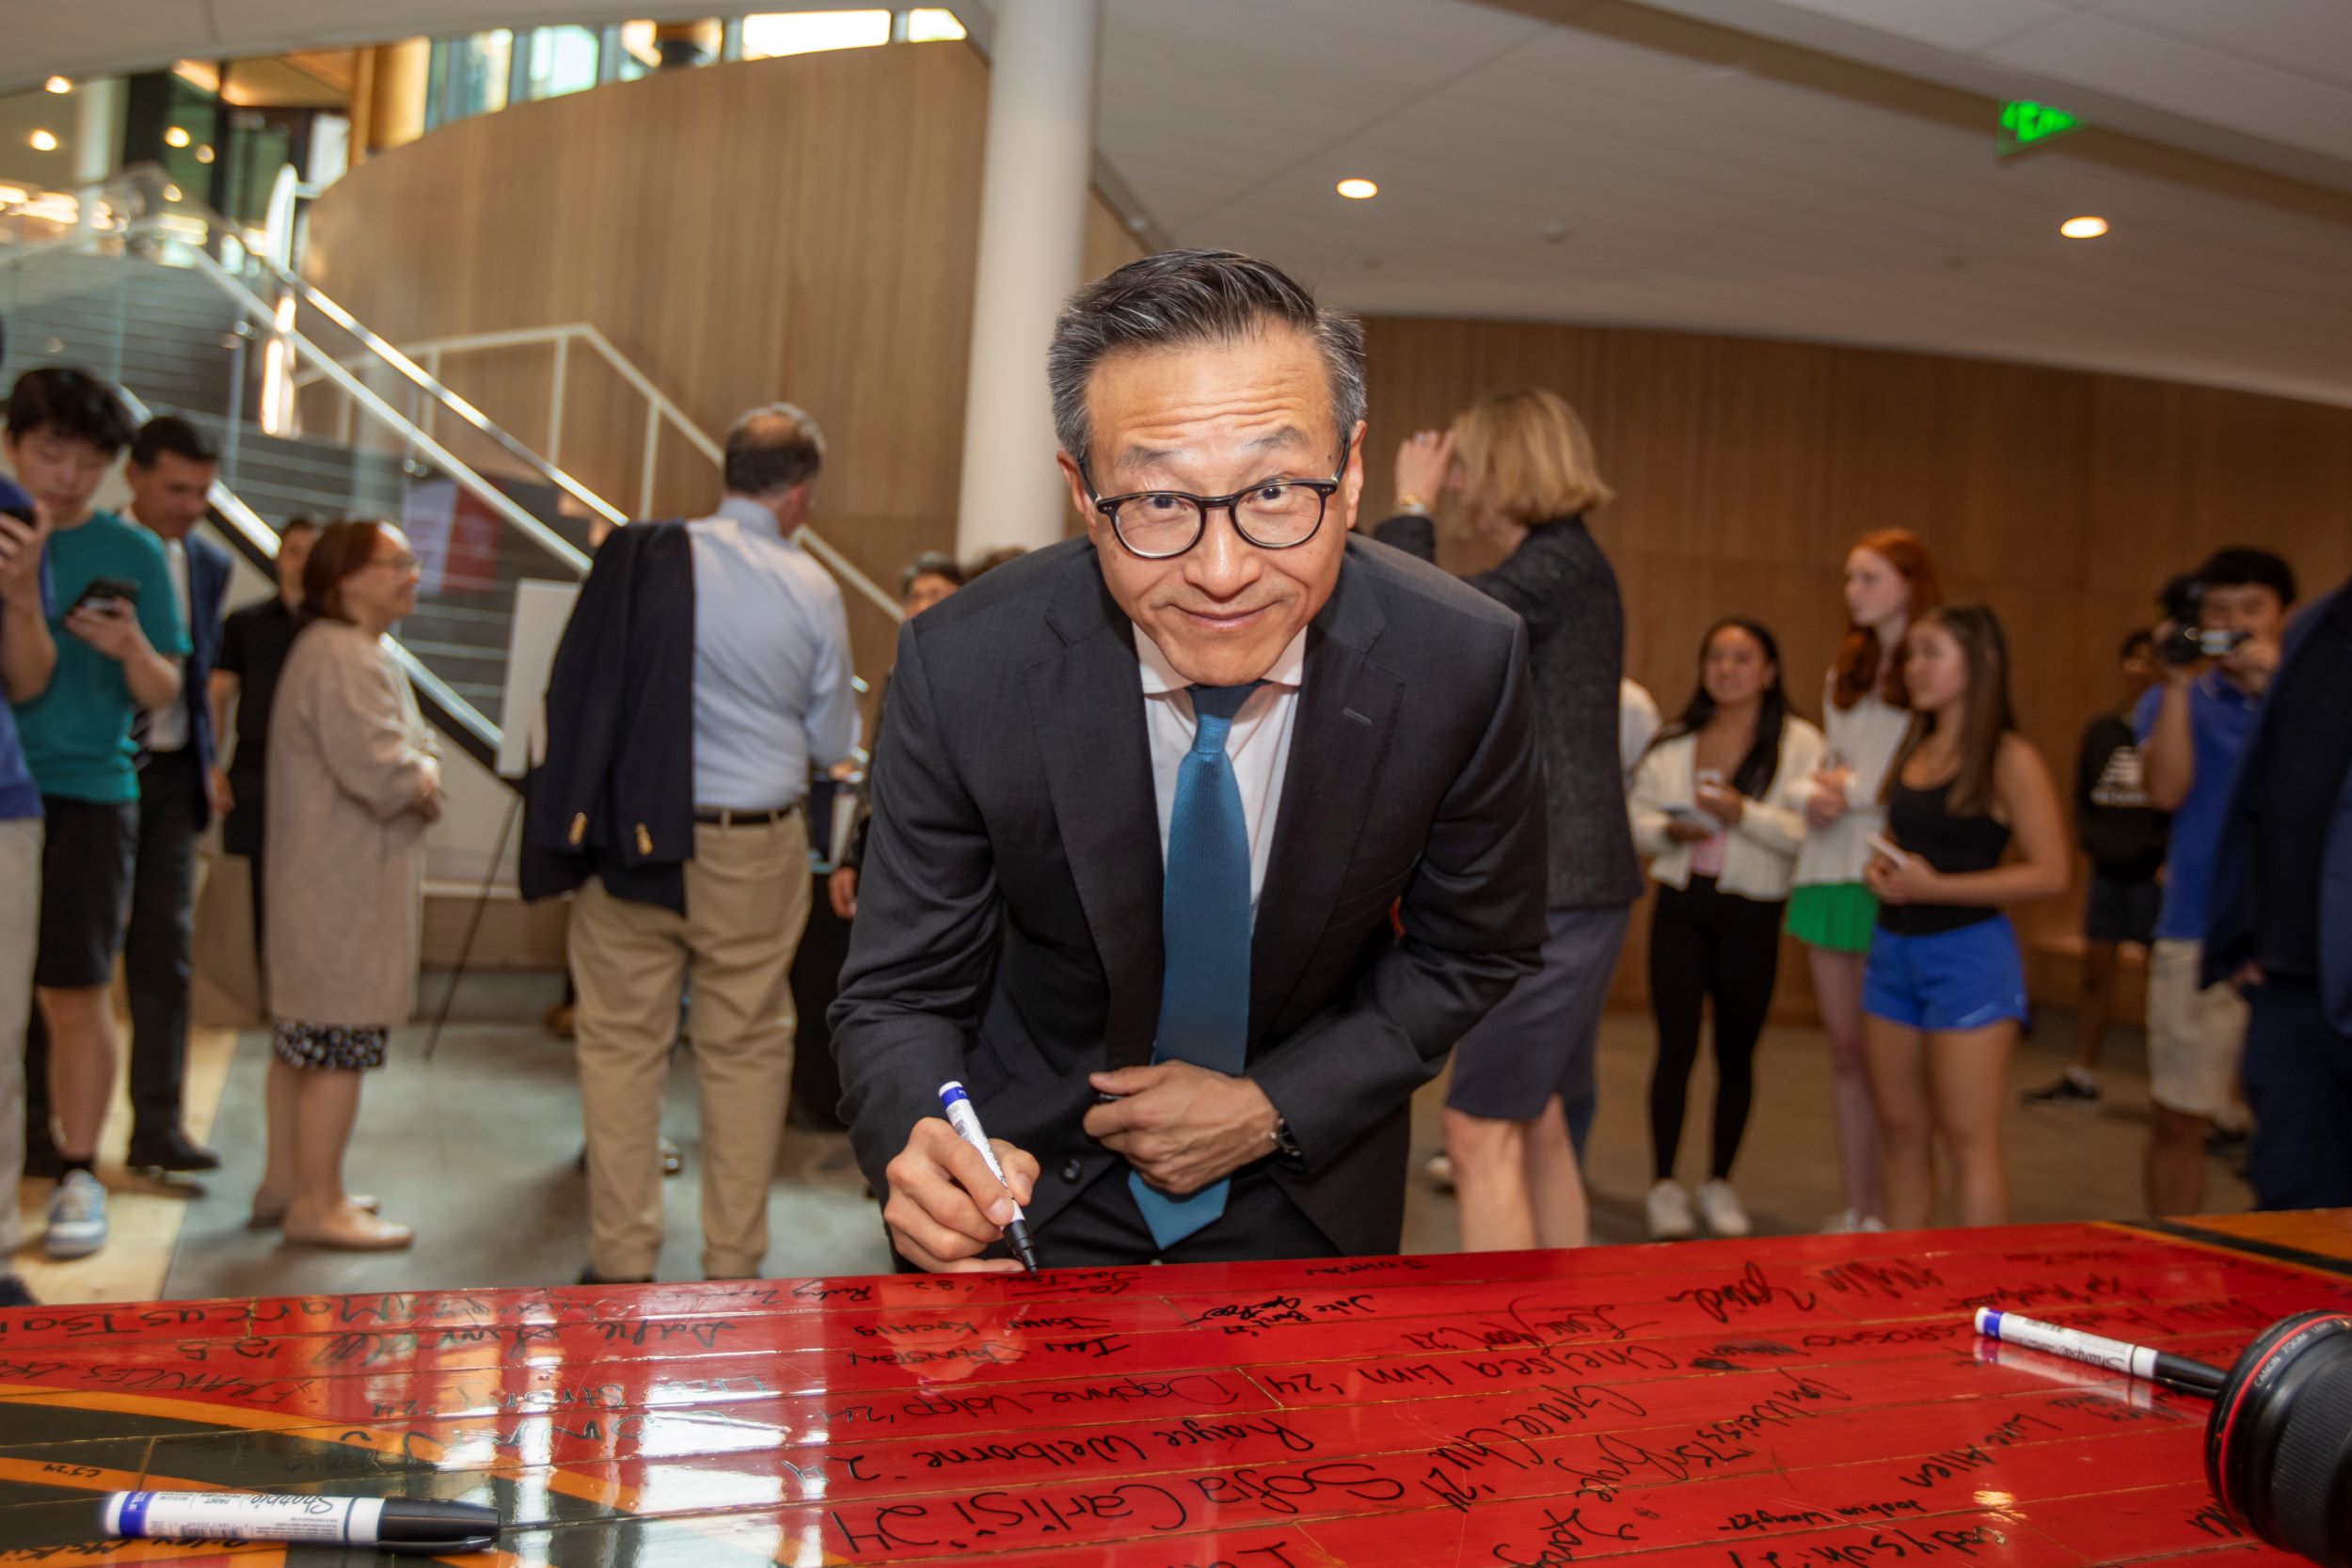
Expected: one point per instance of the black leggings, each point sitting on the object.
(1705, 944)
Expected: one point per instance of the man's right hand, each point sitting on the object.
(946, 1206)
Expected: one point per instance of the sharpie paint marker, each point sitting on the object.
(966, 1122)
(2173, 1371)
(416, 1526)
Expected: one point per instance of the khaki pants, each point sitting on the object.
(20, 935)
(747, 898)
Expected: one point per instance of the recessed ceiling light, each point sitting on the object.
(171, 193)
(176, 136)
(204, 153)
(2084, 228)
(1359, 190)
(43, 141)
(58, 84)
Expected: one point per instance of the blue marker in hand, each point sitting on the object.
(966, 1122)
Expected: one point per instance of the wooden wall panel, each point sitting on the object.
(801, 228)
(1745, 468)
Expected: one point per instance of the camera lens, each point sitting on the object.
(2279, 1442)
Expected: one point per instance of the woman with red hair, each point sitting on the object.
(1890, 582)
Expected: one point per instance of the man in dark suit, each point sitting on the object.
(170, 473)
(1148, 801)
(2279, 922)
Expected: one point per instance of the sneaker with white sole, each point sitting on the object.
(2074, 1090)
(1719, 1206)
(1668, 1210)
(1850, 1222)
(77, 1217)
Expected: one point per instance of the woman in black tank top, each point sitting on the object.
(1945, 991)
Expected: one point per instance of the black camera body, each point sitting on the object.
(2182, 602)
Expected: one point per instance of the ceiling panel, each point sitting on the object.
(2133, 62)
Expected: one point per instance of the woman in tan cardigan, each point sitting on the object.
(353, 781)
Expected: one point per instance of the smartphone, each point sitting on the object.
(1692, 815)
(105, 591)
(1888, 847)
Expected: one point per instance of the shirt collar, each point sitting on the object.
(1160, 676)
(752, 518)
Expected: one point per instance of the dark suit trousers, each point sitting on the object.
(156, 947)
(1104, 1229)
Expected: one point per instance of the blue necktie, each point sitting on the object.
(1204, 926)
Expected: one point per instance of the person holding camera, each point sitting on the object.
(119, 644)
(2219, 646)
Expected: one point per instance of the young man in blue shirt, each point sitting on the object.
(28, 655)
(119, 641)
(2192, 730)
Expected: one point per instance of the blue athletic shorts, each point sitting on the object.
(1947, 981)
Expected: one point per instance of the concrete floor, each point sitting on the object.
(475, 1149)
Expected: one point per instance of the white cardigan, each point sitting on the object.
(1866, 737)
(1760, 850)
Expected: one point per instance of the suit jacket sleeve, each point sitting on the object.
(1472, 921)
(583, 705)
(923, 950)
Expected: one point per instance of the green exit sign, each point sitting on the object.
(2025, 124)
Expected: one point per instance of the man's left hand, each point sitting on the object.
(1182, 1126)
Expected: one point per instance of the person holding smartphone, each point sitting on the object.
(28, 655)
(120, 645)
(2218, 645)
(1718, 805)
(1945, 991)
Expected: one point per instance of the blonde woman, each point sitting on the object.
(1519, 470)
(353, 783)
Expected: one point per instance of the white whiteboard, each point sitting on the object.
(541, 610)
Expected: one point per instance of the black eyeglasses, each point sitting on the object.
(1279, 515)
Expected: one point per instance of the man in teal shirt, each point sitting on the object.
(119, 641)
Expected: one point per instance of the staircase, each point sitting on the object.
(180, 339)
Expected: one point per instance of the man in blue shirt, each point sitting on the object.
(671, 797)
(120, 643)
(26, 656)
(2192, 730)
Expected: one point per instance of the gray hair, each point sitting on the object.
(772, 449)
(1187, 297)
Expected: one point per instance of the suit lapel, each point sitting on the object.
(1088, 706)
(1347, 709)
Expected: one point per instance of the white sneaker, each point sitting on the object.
(1719, 1207)
(1843, 1223)
(1439, 1169)
(77, 1217)
(1668, 1209)
(1870, 1224)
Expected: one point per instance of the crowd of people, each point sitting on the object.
(1232, 1025)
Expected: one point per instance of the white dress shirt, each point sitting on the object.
(1259, 744)
(167, 725)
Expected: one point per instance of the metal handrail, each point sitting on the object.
(263, 540)
(253, 306)
(359, 391)
(660, 409)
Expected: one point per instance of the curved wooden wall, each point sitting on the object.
(805, 227)
(801, 228)
(1745, 468)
